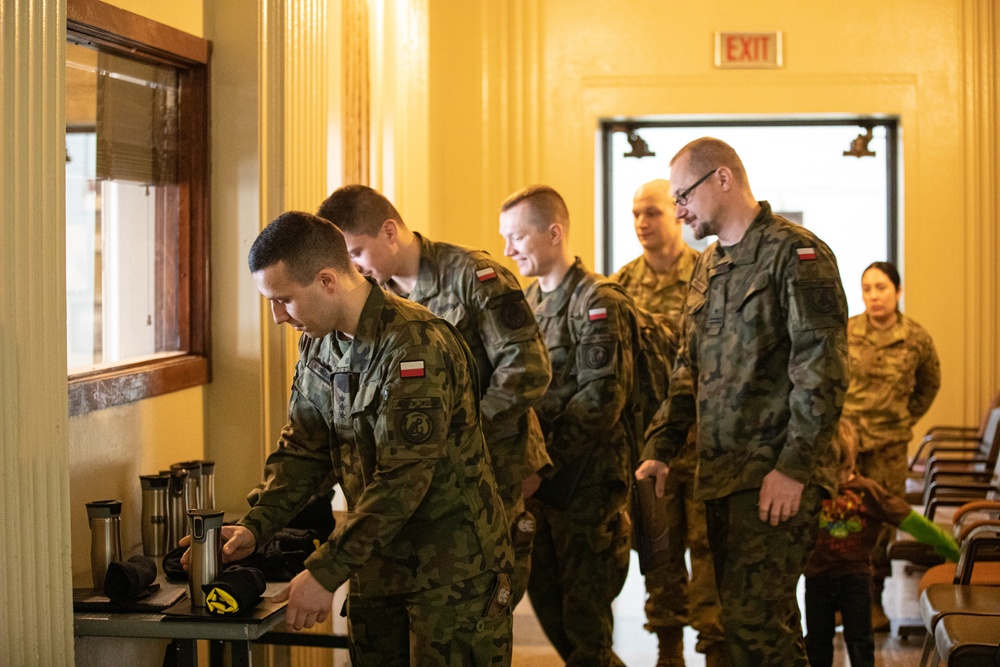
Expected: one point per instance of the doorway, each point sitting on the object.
(798, 165)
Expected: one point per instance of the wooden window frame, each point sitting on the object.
(115, 30)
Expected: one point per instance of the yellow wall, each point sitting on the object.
(110, 448)
(184, 15)
(517, 90)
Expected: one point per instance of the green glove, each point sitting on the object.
(928, 532)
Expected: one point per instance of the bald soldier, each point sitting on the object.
(484, 301)
(764, 358)
(658, 281)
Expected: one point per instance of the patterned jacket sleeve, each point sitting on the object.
(604, 364)
(301, 463)
(669, 429)
(521, 370)
(818, 363)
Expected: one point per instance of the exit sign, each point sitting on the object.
(747, 50)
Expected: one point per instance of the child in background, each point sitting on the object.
(839, 571)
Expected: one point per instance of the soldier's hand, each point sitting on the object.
(530, 484)
(657, 469)
(308, 602)
(237, 543)
(779, 498)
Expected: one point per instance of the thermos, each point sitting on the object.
(208, 485)
(154, 514)
(193, 482)
(177, 507)
(105, 537)
(206, 552)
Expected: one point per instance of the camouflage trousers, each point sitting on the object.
(887, 466)
(467, 624)
(522, 537)
(757, 568)
(579, 565)
(673, 601)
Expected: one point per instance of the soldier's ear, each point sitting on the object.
(328, 280)
(390, 230)
(726, 180)
(556, 233)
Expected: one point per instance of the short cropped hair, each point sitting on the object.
(709, 153)
(888, 268)
(358, 209)
(544, 203)
(304, 242)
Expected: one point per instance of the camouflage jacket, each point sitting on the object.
(764, 354)
(895, 376)
(663, 293)
(583, 412)
(485, 303)
(658, 292)
(393, 414)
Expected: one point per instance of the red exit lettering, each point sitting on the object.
(748, 50)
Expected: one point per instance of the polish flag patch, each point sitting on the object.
(806, 253)
(486, 274)
(597, 314)
(411, 369)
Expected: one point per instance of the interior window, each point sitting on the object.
(136, 214)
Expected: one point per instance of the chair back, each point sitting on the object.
(981, 545)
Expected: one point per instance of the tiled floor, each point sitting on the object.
(637, 648)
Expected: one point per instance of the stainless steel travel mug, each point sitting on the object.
(208, 485)
(206, 552)
(193, 482)
(177, 507)
(154, 514)
(105, 537)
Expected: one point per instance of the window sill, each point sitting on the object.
(99, 389)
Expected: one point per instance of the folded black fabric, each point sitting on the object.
(237, 590)
(126, 582)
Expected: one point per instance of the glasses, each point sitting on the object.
(682, 198)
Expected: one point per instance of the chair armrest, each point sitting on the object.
(959, 476)
(975, 507)
(975, 489)
(931, 508)
(981, 544)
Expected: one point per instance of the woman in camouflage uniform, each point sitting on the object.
(895, 376)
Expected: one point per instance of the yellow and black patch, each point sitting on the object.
(220, 602)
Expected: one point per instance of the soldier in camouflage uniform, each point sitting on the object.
(484, 301)
(384, 398)
(895, 376)
(582, 545)
(764, 359)
(658, 281)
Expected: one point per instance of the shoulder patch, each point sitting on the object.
(411, 369)
(806, 253)
(595, 314)
(487, 273)
(416, 426)
(597, 356)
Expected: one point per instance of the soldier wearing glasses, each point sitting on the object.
(764, 358)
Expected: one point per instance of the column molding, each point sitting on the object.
(36, 620)
(512, 99)
(981, 27)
